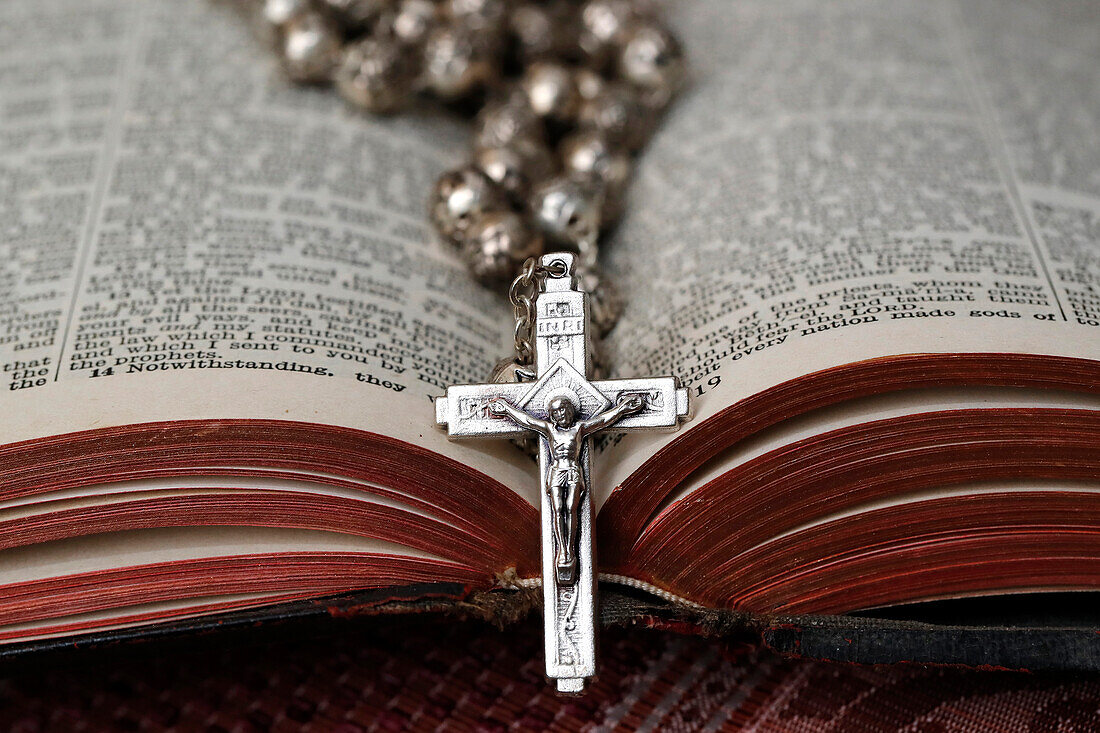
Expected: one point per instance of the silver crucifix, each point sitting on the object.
(564, 409)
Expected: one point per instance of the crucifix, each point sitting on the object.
(564, 409)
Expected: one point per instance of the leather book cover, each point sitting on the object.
(1045, 631)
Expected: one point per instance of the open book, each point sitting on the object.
(867, 240)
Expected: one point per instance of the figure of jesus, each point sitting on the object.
(565, 482)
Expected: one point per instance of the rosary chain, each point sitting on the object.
(522, 295)
(566, 93)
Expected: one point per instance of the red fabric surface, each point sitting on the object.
(423, 674)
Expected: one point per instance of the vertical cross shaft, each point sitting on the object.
(562, 360)
(569, 615)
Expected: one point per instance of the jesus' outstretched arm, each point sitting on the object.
(519, 417)
(612, 415)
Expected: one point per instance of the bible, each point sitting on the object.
(867, 241)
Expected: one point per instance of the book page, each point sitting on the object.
(186, 234)
(853, 179)
(189, 236)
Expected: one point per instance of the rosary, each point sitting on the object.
(568, 92)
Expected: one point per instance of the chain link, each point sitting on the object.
(522, 294)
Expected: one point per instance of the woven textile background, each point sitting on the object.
(421, 674)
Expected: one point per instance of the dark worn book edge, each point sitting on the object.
(1049, 641)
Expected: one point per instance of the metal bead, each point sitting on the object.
(618, 114)
(551, 90)
(537, 158)
(605, 303)
(541, 30)
(567, 211)
(588, 154)
(652, 59)
(603, 27)
(504, 167)
(507, 371)
(311, 47)
(269, 17)
(354, 14)
(506, 121)
(413, 21)
(458, 198)
(280, 12)
(533, 30)
(479, 16)
(590, 84)
(497, 244)
(455, 63)
(516, 167)
(375, 74)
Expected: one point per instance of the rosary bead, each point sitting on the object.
(507, 371)
(458, 198)
(505, 121)
(478, 16)
(270, 17)
(534, 31)
(311, 47)
(280, 12)
(567, 211)
(538, 159)
(456, 63)
(617, 113)
(355, 14)
(605, 303)
(543, 30)
(603, 27)
(588, 155)
(652, 60)
(413, 21)
(497, 244)
(551, 90)
(590, 84)
(376, 75)
(516, 167)
(504, 167)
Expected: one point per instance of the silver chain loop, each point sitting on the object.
(522, 294)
